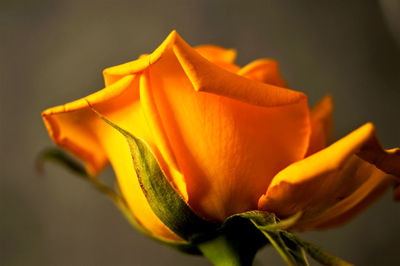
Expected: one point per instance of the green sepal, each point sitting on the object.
(278, 224)
(316, 252)
(162, 197)
(291, 254)
(239, 238)
(259, 217)
(62, 158)
(290, 247)
(268, 224)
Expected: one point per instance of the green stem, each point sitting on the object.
(225, 251)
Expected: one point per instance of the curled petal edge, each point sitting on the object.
(320, 173)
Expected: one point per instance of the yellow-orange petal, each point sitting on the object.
(265, 71)
(217, 54)
(376, 182)
(321, 124)
(227, 148)
(320, 180)
(159, 134)
(71, 125)
(208, 77)
(115, 73)
(76, 128)
(386, 160)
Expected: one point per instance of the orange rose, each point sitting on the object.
(229, 139)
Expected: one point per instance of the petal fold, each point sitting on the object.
(115, 73)
(208, 77)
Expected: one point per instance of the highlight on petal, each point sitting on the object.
(227, 147)
(325, 178)
(321, 124)
(265, 71)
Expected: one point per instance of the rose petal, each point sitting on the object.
(376, 183)
(208, 77)
(115, 73)
(321, 125)
(265, 71)
(76, 128)
(227, 149)
(219, 56)
(320, 180)
(159, 134)
(71, 125)
(215, 53)
(387, 161)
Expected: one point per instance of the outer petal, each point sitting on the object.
(76, 128)
(72, 126)
(229, 134)
(325, 178)
(376, 183)
(215, 53)
(265, 71)
(113, 74)
(321, 125)
(387, 161)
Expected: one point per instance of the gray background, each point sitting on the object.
(52, 52)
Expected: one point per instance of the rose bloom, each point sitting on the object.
(229, 139)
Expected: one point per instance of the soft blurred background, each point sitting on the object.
(52, 52)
